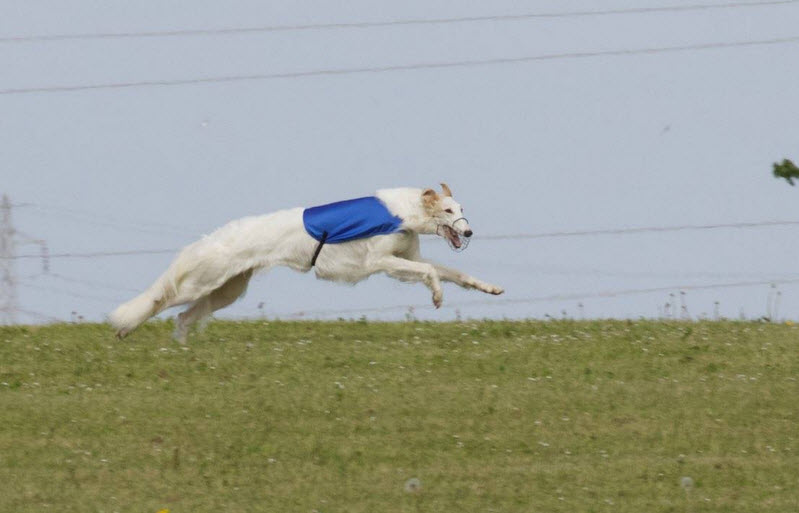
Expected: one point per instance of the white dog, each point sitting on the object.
(346, 241)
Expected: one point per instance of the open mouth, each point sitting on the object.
(452, 236)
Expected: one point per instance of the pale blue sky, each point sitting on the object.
(564, 144)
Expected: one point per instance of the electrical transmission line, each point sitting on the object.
(388, 23)
(643, 229)
(9, 304)
(521, 236)
(8, 286)
(547, 299)
(98, 254)
(469, 63)
(88, 217)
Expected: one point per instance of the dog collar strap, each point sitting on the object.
(318, 249)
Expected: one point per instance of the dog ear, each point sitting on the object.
(429, 197)
(445, 188)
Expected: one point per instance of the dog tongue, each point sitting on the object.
(454, 238)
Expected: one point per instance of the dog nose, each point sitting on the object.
(468, 233)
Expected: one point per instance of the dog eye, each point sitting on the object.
(448, 211)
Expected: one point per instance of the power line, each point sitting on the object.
(632, 292)
(594, 272)
(88, 217)
(98, 254)
(645, 229)
(90, 283)
(37, 315)
(8, 285)
(8, 243)
(402, 67)
(580, 233)
(70, 293)
(549, 298)
(386, 23)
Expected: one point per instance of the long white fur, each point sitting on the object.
(214, 271)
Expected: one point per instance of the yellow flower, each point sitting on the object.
(789, 323)
(162, 511)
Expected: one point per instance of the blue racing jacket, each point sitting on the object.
(349, 220)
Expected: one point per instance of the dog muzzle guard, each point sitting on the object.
(451, 232)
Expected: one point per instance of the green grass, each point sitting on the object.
(337, 417)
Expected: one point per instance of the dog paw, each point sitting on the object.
(180, 336)
(490, 289)
(181, 333)
(495, 290)
(438, 298)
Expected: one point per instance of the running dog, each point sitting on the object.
(346, 241)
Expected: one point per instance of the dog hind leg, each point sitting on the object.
(128, 316)
(219, 298)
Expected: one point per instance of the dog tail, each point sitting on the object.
(128, 316)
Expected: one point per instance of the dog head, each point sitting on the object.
(448, 216)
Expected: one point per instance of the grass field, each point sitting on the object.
(563, 416)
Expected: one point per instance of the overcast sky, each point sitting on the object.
(570, 143)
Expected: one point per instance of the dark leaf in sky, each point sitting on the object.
(786, 169)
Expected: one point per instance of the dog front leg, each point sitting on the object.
(412, 271)
(464, 280)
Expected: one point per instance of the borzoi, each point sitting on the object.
(346, 241)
